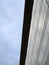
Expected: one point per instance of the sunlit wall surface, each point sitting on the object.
(11, 22)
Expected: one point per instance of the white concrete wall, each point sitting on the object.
(38, 37)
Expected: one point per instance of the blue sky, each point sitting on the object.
(11, 22)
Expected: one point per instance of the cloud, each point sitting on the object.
(11, 20)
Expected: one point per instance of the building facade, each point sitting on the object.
(38, 42)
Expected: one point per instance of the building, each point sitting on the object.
(38, 43)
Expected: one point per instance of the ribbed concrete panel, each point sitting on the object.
(39, 34)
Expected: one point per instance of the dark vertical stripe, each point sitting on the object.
(26, 28)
